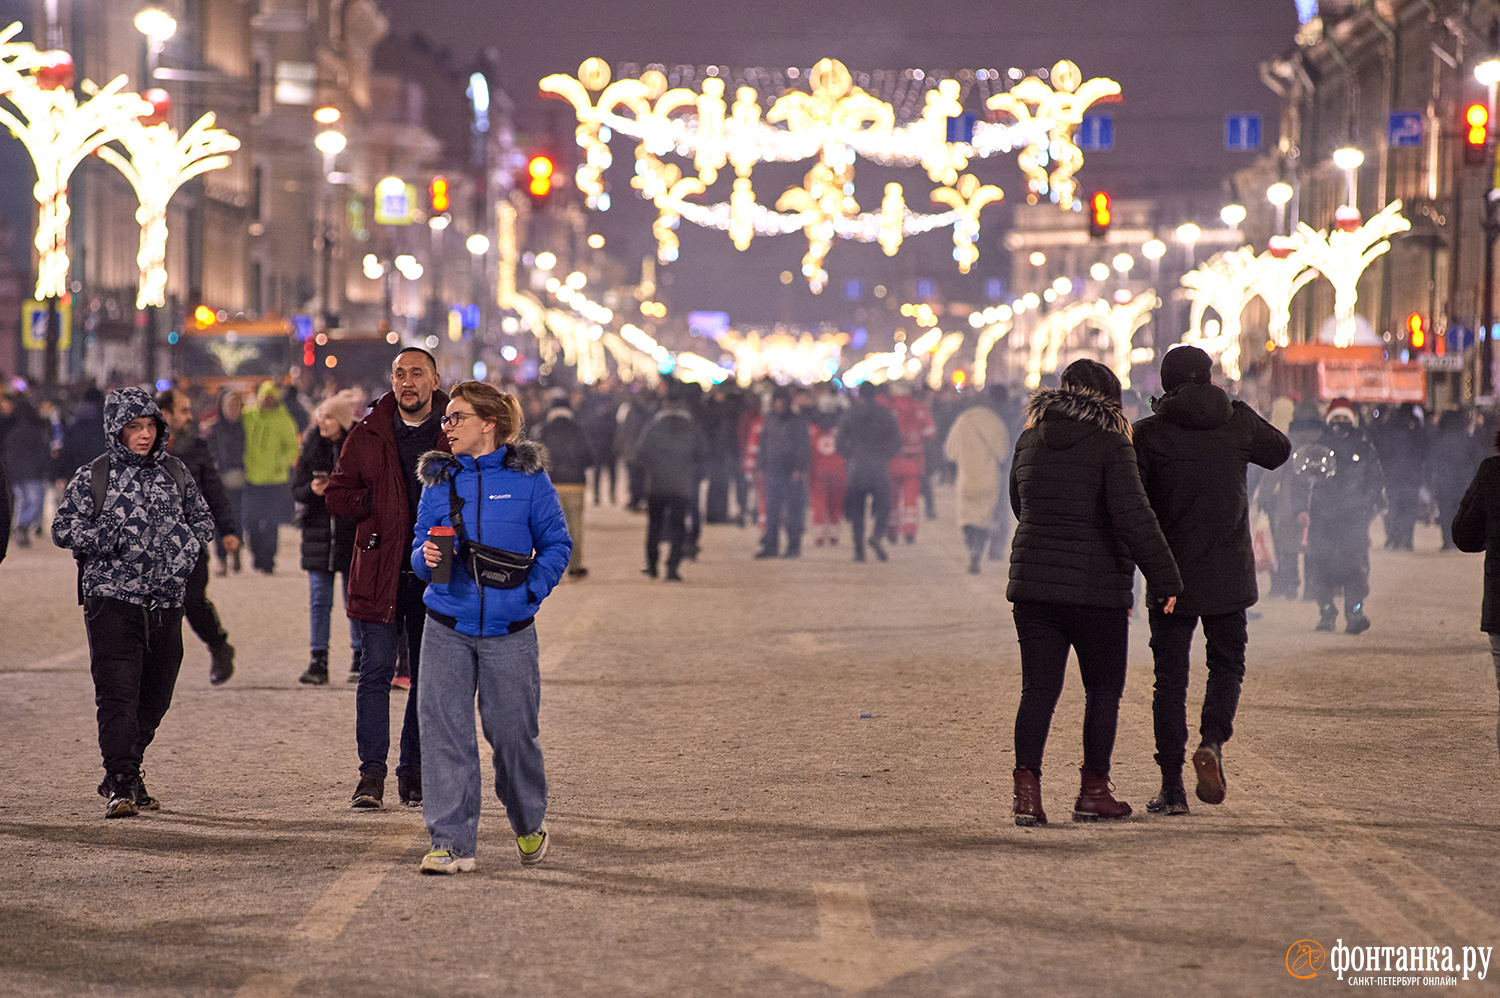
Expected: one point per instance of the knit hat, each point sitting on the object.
(1341, 408)
(342, 407)
(1185, 365)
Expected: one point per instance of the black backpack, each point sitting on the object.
(99, 489)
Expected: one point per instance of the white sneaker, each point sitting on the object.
(443, 861)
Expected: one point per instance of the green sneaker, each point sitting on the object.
(532, 847)
(443, 861)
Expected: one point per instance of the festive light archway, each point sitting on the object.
(1343, 253)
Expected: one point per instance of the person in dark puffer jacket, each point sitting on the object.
(136, 557)
(1193, 453)
(571, 457)
(1083, 524)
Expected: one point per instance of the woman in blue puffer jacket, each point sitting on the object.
(479, 639)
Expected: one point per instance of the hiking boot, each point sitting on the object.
(1169, 800)
(409, 787)
(370, 792)
(1209, 763)
(532, 847)
(1095, 802)
(1355, 620)
(317, 670)
(118, 790)
(143, 799)
(221, 665)
(443, 861)
(1027, 802)
(1327, 617)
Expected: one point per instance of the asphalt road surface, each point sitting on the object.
(777, 778)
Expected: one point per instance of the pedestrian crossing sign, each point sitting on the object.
(34, 329)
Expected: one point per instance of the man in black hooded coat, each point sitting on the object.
(1193, 451)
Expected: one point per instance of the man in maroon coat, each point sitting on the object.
(375, 485)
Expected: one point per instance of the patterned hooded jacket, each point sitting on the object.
(147, 537)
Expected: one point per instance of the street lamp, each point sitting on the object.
(1349, 159)
(1488, 74)
(478, 246)
(330, 143)
(1232, 215)
(158, 26)
(1188, 233)
(1122, 263)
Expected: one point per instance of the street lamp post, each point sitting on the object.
(1280, 194)
(1349, 159)
(330, 143)
(1488, 73)
(478, 246)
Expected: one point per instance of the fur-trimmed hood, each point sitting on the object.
(1065, 416)
(524, 456)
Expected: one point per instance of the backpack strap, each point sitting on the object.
(99, 482)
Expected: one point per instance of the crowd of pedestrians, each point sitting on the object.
(443, 520)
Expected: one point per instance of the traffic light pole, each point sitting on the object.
(1487, 302)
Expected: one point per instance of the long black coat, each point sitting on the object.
(193, 451)
(1082, 518)
(868, 437)
(670, 449)
(1192, 454)
(1476, 527)
(569, 455)
(327, 540)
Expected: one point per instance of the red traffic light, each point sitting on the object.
(539, 170)
(438, 189)
(1100, 214)
(1416, 331)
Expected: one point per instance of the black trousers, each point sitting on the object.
(1171, 643)
(878, 490)
(134, 655)
(1101, 638)
(666, 519)
(202, 615)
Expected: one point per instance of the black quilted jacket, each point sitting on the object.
(1083, 521)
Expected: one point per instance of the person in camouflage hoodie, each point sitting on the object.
(135, 557)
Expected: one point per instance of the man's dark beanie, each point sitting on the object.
(1185, 365)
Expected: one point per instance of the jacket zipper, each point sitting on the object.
(479, 531)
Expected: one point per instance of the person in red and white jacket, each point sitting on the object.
(826, 476)
(910, 463)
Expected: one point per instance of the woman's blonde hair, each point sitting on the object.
(491, 403)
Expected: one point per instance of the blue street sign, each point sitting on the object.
(1242, 132)
(961, 128)
(1405, 129)
(1096, 132)
(1460, 337)
(302, 326)
(854, 290)
(994, 288)
(925, 288)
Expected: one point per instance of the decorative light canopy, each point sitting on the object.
(835, 123)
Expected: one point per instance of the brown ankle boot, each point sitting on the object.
(1028, 799)
(1095, 802)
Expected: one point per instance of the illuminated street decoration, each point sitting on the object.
(941, 354)
(1276, 277)
(1117, 324)
(159, 163)
(834, 122)
(989, 335)
(1051, 114)
(58, 132)
(1224, 282)
(1343, 253)
(1048, 336)
(784, 354)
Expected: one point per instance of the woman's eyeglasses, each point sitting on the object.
(453, 419)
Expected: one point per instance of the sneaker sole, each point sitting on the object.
(122, 809)
(1029, 820)
(537, 856)
(367, 802)
(1210, 777)
(1091, 816)
(460, 864)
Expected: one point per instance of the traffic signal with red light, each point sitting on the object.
(1416, 331)
(539, 170)
(1100, 215)
(438, 190)
(1476, 133)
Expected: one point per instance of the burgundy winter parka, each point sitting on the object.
(368, 487)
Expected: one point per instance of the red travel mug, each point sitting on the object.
(443, 538)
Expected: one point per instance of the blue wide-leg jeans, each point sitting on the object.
(503, 671)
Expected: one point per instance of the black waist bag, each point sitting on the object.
(494, 568)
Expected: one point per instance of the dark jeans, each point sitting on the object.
(377, 666)
(134, 654)
(1100, 637)
(635, 483)
(786, 507)
(666, 520)
(600, 469)
(879, 493)
(1171, 642)
(201, 613)
(263, 516)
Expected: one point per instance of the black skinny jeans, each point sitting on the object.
(202, 615)
(879, 492)
(666, 520)
(1171, 642)
(134, 654)
(1101, 638)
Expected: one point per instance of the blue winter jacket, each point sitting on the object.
(509, 503)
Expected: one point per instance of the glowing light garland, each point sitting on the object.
(834, 121)
(1117, 323)
(58, 132)
(1225, 283)
(160, 162)
(1342, 254)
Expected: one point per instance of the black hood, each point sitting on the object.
(1195, 407)
(1064, 416)
(120, 407)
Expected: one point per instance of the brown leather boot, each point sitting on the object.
(1095, 802)
(1028, 799)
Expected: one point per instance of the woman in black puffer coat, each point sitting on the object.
(327, 540)
(1083, 525)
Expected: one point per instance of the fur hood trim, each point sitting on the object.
(1077, 404)
(526, 457)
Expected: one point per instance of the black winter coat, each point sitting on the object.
(1476, 527)
(785, 445)
(670, 450)
(569, 453)
(327, 540)
(83, 440)
(1082, 518)
(193, 451)
(28, 446)
(868, 437)
(1192, 455)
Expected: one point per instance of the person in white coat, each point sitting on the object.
(980, 445)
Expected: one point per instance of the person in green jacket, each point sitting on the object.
(271, 448)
